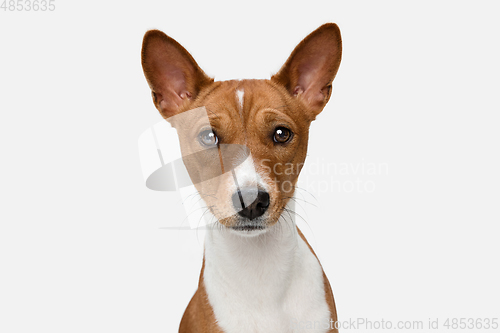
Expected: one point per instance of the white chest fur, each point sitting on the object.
(267, 283)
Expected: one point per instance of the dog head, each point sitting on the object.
(243, 142)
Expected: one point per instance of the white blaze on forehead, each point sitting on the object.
(239, 98)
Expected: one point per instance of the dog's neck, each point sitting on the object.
(264, 262)
(264, 283)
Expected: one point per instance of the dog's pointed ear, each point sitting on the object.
(172, 74)
(309, 71)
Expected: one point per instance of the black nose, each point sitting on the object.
(257, 208)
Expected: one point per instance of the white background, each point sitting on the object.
(82, 241)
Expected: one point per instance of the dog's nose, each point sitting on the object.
(257, 208)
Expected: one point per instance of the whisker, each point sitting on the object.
(303, 200)
(306, 191)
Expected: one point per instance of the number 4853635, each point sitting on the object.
(28, 5)
(471, 323)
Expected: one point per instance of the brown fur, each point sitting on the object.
(199, 316)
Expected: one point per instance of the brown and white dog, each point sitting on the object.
(259, 273)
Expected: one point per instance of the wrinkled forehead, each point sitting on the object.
(243, 99)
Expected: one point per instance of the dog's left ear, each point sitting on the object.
(309, 71)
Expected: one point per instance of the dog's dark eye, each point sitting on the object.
(282, 135)
(208, 138)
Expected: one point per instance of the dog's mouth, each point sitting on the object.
(249, 227)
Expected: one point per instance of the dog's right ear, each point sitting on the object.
(172, 74)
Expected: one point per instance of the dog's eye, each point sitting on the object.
(208, 138)
(282, 135)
